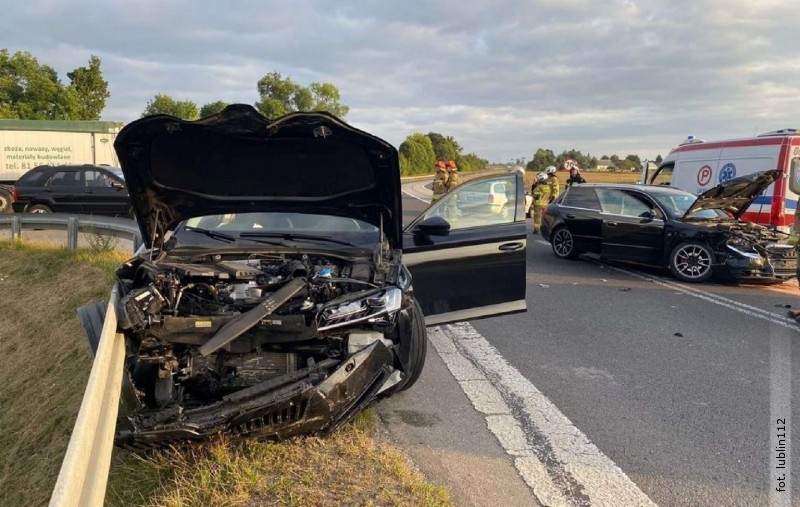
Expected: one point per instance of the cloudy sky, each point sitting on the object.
(502, 77)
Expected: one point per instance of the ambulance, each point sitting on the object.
(697, 165)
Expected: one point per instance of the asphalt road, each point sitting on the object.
(679, 386)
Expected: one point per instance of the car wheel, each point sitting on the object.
(5, 202)
(691, 262)
(563, 244)
(39, 208)
(418, 349)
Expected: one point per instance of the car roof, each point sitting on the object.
(654, 189)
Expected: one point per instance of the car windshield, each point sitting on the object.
(676, 204)
(294, 226)
(116, 172)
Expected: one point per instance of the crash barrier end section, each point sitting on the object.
(84, 471)
(73, 224)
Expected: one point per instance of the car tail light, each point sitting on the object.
(14, 195)
(491, 198)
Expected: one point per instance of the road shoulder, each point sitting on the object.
(448, 440)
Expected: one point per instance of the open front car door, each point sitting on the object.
(466, 252)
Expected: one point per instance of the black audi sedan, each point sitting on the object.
(693, 237)
(86, 188)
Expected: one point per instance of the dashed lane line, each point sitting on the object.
(555, 459)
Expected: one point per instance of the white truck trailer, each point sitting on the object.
(25, 144)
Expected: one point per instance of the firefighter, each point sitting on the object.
(552, 182)
(453, 179)
(440, 181)
(541, 198)
(575, 177)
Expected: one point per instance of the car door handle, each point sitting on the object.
(570, 216)
(611, 224)
(507, 247)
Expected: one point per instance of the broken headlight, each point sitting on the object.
(743, 247)
(368, 308)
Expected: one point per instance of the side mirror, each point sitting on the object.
(117, 184)
(433, 226)
(648, 216)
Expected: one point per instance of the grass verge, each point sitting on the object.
(44, 360)
(347, 468)
(44, 365)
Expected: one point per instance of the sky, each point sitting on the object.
(502, 77)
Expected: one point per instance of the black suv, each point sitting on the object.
(89, 189)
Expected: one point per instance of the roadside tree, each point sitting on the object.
(164, 104)
(280, 95)
(212, 108)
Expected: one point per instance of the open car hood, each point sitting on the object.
(239, 161)
(736, 195)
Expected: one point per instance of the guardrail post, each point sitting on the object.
(16, 228)
(72, 233)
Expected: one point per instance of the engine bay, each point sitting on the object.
(198, 331)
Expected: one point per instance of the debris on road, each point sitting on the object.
(679, 335)
(544, 286)
(625, 289)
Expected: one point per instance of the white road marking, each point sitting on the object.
(415, 197)
(556, 460)
(412, 190)
(738, 306)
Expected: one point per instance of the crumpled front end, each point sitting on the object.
(755, 254)
(263, 344)
(316, 399)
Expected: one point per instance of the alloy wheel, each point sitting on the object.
(692, 261)
(563, 244)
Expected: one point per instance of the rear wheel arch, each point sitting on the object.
(38, 207)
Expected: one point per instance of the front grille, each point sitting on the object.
(288, 413)
(781, 252)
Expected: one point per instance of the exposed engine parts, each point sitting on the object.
(201, 330)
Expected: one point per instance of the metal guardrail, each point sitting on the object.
(73, 224)
(84, 471)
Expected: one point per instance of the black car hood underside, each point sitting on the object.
(736, 195)
(239, 161)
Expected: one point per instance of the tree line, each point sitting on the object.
(419, 153)
(33, 91)
(544, 157)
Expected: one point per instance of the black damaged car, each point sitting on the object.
(694, 237)
(277, 292)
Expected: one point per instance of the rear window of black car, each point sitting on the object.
(33, 177)
(65, 179)
(581, 197)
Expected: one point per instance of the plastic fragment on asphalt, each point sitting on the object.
(604, 280)
(679, 335)
(544, 285)
(626, 289)
(777, 306)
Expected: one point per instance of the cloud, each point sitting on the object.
(504, 78)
